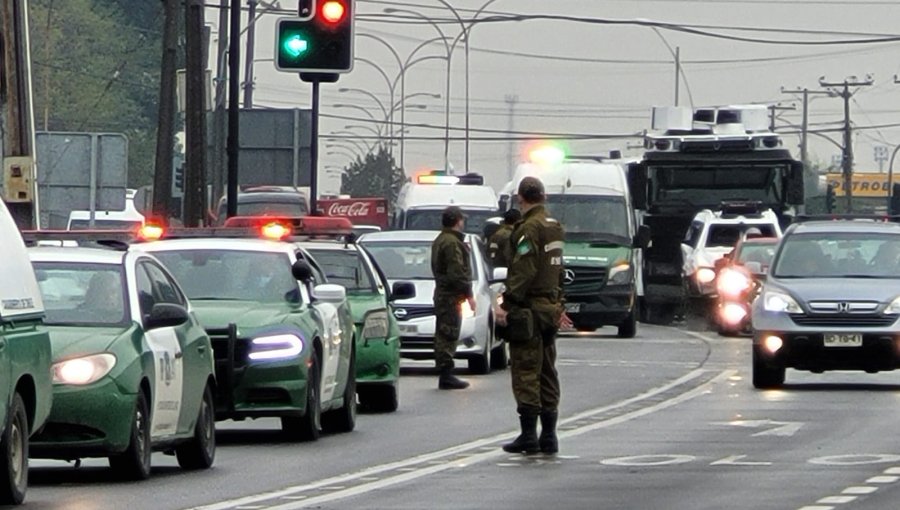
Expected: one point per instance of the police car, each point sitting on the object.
(405, 257)
(283, 337)
(132, 368)
(712, 235)
(25, 387)
(377, 333)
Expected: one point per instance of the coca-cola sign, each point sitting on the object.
(349, 210)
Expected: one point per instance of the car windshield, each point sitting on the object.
(430, 219)
(231, 275)
(839, 255)
(82, 294)
(725, 236)
(608, 216)
(405, 260)
(345, 268)
(708, 186)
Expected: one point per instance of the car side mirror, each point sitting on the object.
(499, 275)
(166, 315)
(301, 271)
(642, 238)
(402, 290)
(329, 293)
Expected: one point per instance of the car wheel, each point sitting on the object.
(628, 329)
(764, 375)
(14, 448)
(500, 357)
(344, 419)
(481, 364)
(134, 462)
(200, 451)
(380, 398)
(309, 426)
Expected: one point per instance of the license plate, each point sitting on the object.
(409, 328)
(573, 307)
(843, 340)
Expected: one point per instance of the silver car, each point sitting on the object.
(831, 301)
(405, 255)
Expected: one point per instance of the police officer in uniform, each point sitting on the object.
(499, 246)
(533, 312)
(453, 286)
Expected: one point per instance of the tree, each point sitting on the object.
(377, 174)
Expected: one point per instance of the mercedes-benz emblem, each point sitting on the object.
(400, 313)
(568, 277)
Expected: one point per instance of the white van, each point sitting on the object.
(420, 203)
(126, 219)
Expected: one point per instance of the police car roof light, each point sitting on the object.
(741, 208)
(151, 232)
(437, 179)
(275, 230)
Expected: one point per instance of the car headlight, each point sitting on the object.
(894, 307)
(82, 371)
(375, 324)
(732, 283)
(275, 347)
(620, 274)
(780, 302)
(466, 310)
(705, 275)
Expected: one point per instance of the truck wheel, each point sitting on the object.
(134, 462)
(200, 451)
(765, 376)
(628, 329)
(344, 419)
(14, 448)
(309, 426)
(381, 398)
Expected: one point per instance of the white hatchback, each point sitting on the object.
(406, 256)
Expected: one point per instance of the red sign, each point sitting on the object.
(360, 211)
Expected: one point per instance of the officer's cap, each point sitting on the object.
(451, 216)
(531, 190)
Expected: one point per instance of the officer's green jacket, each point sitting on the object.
(499, 246)
(450, 265)
(536, 271)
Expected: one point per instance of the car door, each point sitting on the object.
(164, 344)
(332, 335)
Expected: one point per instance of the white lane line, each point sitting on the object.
(883, 479)
(394, 467)
(481, 457)
(837, 500)
(892, 471)
(859, 490)
(817, 507)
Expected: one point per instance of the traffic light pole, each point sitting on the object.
(315, 79)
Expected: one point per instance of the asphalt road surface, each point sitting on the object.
(668, 420)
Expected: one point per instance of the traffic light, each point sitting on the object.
(321, 42)
(829, 198)
(178, 179)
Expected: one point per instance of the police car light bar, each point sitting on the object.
(437, 179)
(115, 239)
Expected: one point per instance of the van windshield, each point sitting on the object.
(104, 224)
(591, 217)
(430, 219)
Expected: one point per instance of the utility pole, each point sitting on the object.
(773, 109)
(219, 116)
(165, 133)
(234, 78)
(195, 116)
(677, 71)
(248, 64)
(511, 101)
(842, 89)
(804, 128)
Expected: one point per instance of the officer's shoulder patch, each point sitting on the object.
(523, 247)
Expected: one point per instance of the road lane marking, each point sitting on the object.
(780, 428)
(859, 490)
(852, 493)
(649, 460)
(737, 460)
(892, 471)
(817, 507)
(397, 472)
(855, 460)
(883, 479)
(837, 500)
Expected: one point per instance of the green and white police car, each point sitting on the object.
(24, 361)
(377, 334)
(132, 368)
(284, 346)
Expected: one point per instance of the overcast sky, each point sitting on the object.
(634, 70)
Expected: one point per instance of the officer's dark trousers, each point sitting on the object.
(448, 320)
(535, 381)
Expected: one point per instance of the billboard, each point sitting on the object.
(864, 184)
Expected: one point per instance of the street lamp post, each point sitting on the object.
(890, 192)
(390, 89)
(364, 110)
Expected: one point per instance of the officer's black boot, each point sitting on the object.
(448, 381)
(549, 442)
(527, 442)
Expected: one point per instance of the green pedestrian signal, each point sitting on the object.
(322, 42)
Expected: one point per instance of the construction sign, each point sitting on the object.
(864, 184)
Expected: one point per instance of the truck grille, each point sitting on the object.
(845, 321)
(584, 280)
(219, 338)
(405, 313)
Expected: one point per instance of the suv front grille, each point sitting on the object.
(845, 321)
(412, 312)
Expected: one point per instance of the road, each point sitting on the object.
(665, 421)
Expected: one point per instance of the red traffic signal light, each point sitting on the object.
(333, 11)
